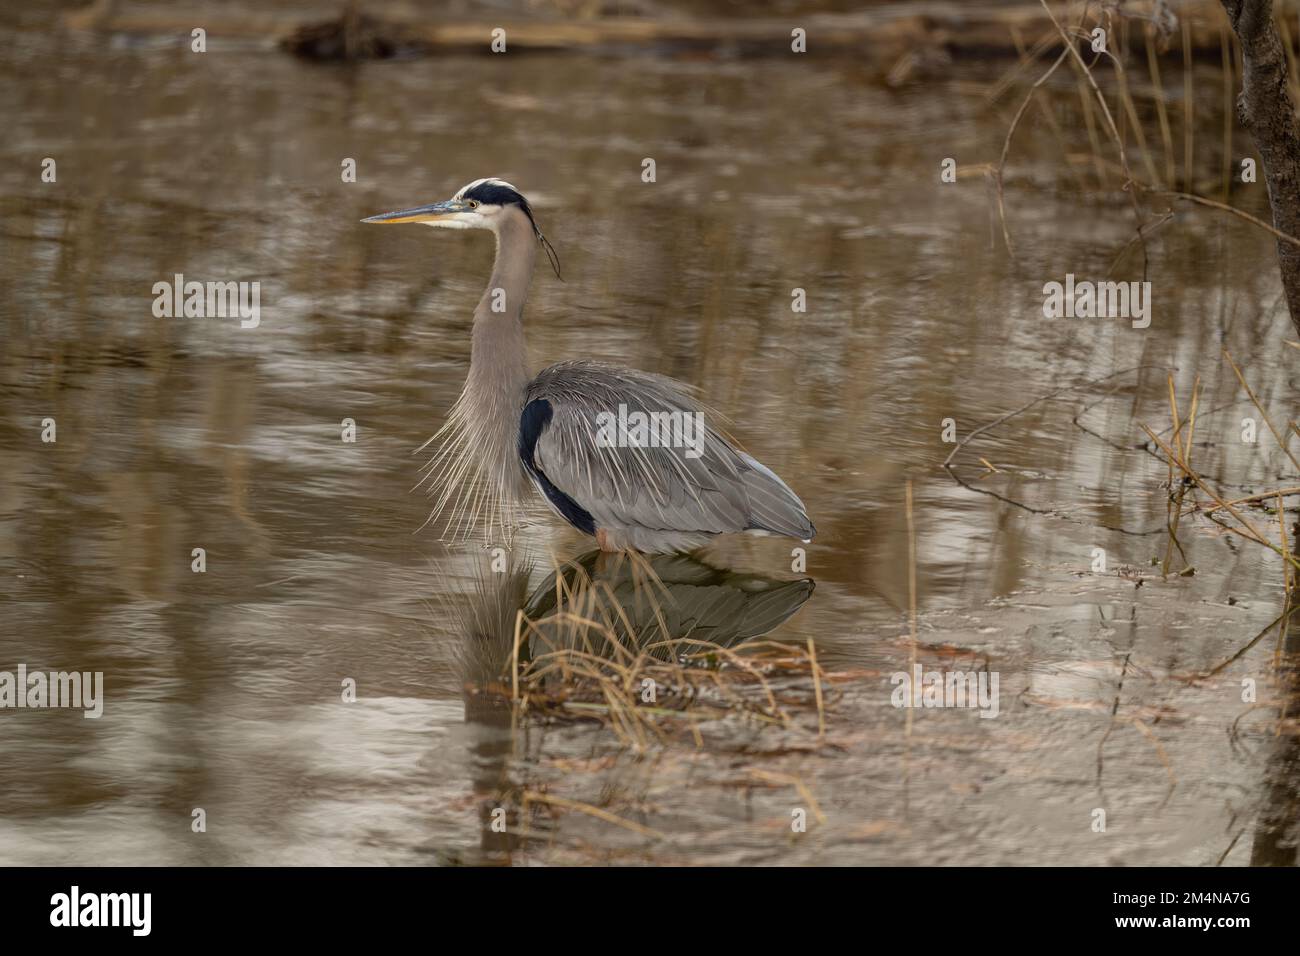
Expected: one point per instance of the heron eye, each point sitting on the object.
(473, 204)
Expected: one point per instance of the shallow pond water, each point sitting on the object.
(223, 688)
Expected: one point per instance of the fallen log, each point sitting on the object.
(879, 35)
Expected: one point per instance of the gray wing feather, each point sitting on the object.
(654, 488)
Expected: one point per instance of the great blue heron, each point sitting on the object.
(591, 437)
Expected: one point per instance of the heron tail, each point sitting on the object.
(772, 505)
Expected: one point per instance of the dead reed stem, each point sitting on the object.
(1162, 114)
(1255, 401)
(911, 594)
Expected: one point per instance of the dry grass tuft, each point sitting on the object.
(583, 649)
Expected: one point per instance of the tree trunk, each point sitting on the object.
(1265, 108)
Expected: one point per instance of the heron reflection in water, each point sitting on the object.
(656, 605)
(612, 606)
(509, 428)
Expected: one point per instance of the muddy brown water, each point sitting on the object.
(223, 688)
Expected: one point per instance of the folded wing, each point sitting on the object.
(598, 473)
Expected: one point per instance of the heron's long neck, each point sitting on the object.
(476, 471)
(498, 363)
(486, 417)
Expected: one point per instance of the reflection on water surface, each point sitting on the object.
(224, 688)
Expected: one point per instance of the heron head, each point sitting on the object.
(483, 204)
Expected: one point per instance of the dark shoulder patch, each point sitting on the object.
(537, 415)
